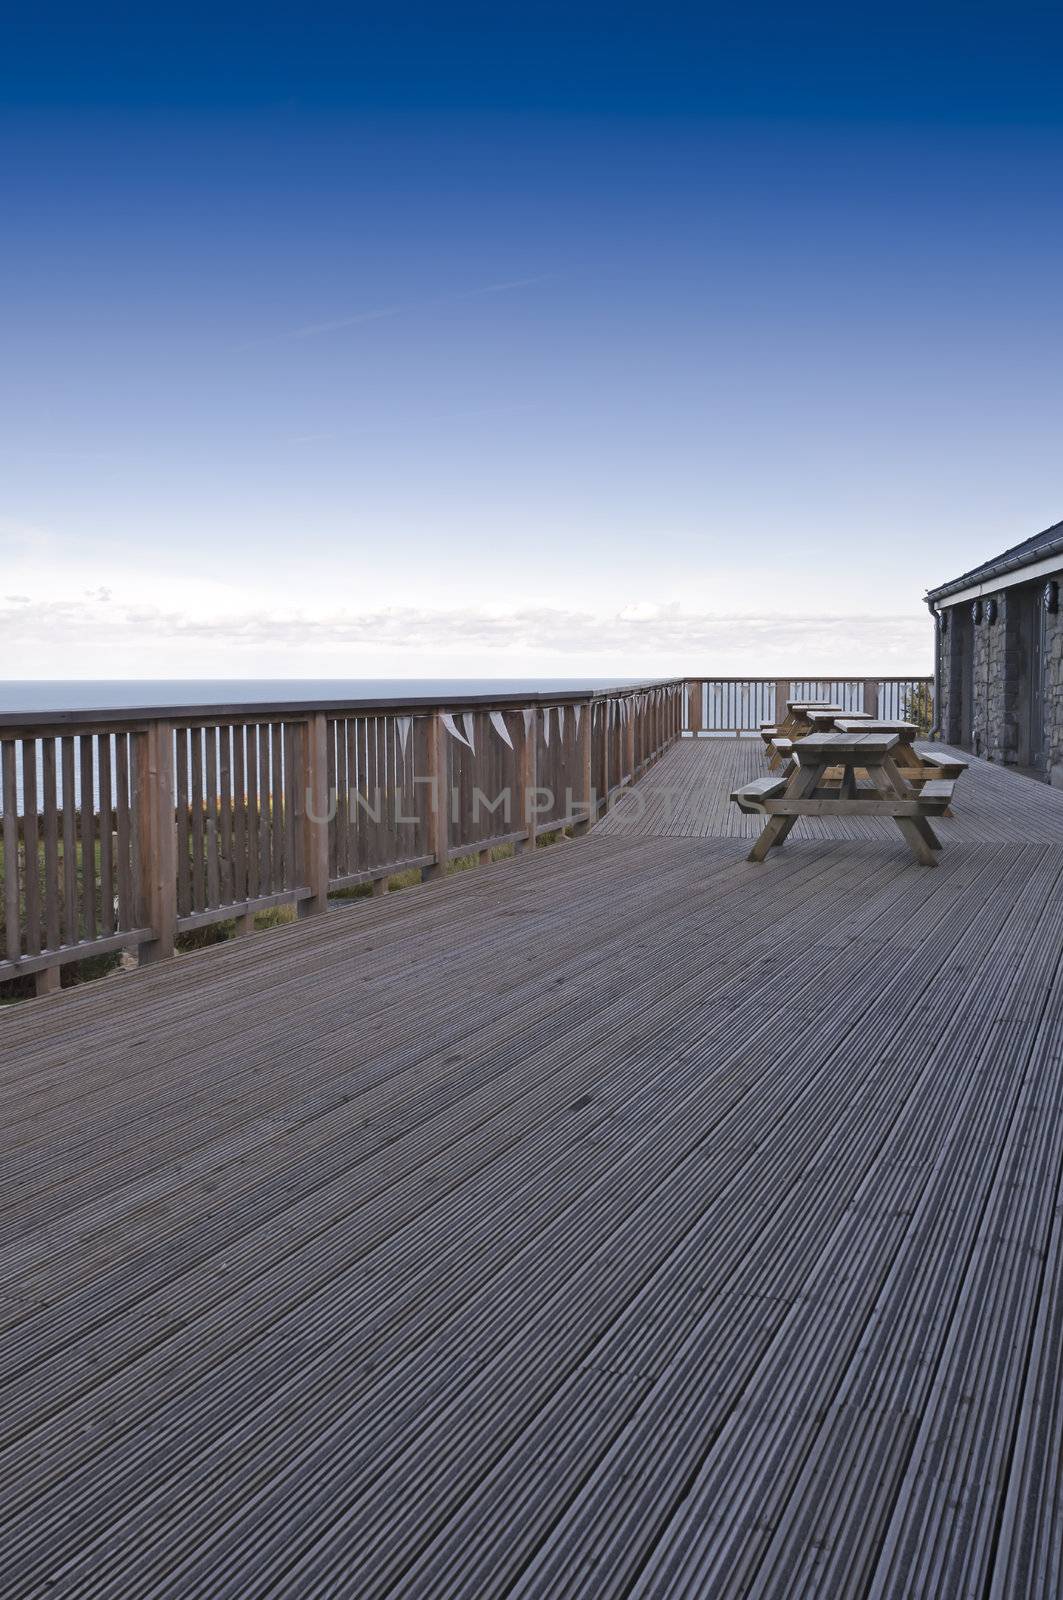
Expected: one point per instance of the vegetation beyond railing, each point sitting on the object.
(126, 830)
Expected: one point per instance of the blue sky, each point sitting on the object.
(600, 343)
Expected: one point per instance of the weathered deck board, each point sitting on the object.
(624, 1218)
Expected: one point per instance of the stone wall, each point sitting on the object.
(949, 648)
(943, 638)
(1002, 655)
(999, 679)
(1054, 697)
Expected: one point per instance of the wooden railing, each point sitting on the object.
(125, 830)
(740, 705)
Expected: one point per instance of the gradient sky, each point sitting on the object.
(569, 341)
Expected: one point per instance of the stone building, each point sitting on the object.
(999, 657)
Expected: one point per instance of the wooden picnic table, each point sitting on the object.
(824, 719)
(802, 717)
(806, 791)
(779, 737)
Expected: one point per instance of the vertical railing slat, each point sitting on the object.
(211, 775)
(125, 839)
(277, 804)
(52, 931)
(239, 804)
(199, 892)
(70, 849)
(103, 771)
(88, 839)
(265, 812)
(184, 825)
(225, 832)
(293, 783)
(12, 916)
(31, 844)
(253, 845)
(336, 824)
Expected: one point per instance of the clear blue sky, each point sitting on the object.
(500, 340)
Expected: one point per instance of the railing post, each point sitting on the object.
(782, 694)
(694, 706)
(871, 696)
(316, 815)
(157, 841)
(438, 841)
(586, 767)
(528, 778)
(629, 740)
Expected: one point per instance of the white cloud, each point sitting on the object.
(96, 626)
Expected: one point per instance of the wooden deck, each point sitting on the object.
(619, 1220)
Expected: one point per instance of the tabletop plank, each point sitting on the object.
(829, 747)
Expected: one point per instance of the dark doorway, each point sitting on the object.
(961, 709)
(1039, 637)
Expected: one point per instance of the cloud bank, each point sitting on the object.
(655, 637)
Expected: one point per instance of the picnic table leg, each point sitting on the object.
(927, 831)
(910, 792)
(802, 783)
(921, 849)
(892, 786)
(772, 832)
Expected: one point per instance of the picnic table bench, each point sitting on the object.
(806, 792)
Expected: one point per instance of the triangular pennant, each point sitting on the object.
(546, 724)
(498, 722)
(468, 722)
(403, 725)
(452, 729)
(560, 722)
(576, 709)
(529, 718)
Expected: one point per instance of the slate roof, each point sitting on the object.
(1041, 545)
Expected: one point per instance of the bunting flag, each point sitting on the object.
(468, 722)
(403, 725)
(529, 718)
(452, 729)
(498, 722)
(546, 724)
(576, 709)
(560, 722)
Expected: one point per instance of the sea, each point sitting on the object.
(133, 694)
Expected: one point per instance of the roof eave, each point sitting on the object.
(995, 569)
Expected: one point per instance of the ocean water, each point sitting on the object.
(103, 694)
